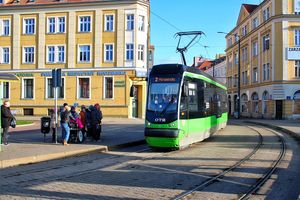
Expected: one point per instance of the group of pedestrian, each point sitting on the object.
(88, 120)
(6, 121)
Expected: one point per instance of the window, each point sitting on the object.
(130, 22)
(297, 13)
(108, 88)
(141, 52)
(109, 23)
(5, 94)
(61, 54)
(56, 54)
(5, 27)
(56, 25)
(84, 24)
(51, 28)
(255, 48)
(236, 58)
(235, 80)
(255, 75)
(297, 37)
(266, 42)
(129, 52)
(236, 37)
(50, 89)
(255, 22)
(245, 77)
(297, 68)
(266, 14)
(29, 26)
(61, 24)
(28, 55)
(141, 23)
(83, 88)
(51, 52)
(229, 42)
(244, 30)
(266, 71)
(28, 88)
(245, 54)
(109, 53)
(28, 111)
(4, 55)
(84, 53)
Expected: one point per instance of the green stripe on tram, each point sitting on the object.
(199, 76)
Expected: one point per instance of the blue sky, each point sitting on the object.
(209, 16)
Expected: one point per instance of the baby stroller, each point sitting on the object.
(76, 133)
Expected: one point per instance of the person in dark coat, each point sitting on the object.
(88, 121)
(96, 117)
(6, 118)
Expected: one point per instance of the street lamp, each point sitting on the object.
(239, 73)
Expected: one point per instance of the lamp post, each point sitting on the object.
(239, 73)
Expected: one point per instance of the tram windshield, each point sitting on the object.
(163, 97)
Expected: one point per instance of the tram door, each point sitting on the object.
(135, 102)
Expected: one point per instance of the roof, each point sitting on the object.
(205, 65)
(47, 2)
(250, 7)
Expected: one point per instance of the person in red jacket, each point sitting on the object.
(6, 118)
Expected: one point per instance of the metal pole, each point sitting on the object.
(239, 79)
(55, 110)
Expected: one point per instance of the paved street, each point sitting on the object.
(141, 173)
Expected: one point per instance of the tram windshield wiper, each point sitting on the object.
(167, 106)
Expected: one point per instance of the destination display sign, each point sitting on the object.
(161, 79)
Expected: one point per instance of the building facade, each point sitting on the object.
(269, 38)
(100, 45)
(218, 69)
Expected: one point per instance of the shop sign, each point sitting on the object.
(80, 73)
(119, 84)
(293, 53)
(49, 74)
(24, 74)
(297, 6)
(110, 73)
(141, 74)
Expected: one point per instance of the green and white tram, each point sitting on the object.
(184, 106)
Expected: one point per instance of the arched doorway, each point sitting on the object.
(244, 102)
(255, 102)
(296, 105)
(265, 99)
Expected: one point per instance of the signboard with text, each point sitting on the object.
(293, 53)
(297, 6)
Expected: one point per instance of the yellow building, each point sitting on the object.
(101, 47)
(269, 36)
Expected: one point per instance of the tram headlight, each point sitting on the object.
(149, 124)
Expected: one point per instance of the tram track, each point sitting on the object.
(253, 188)
(123, 158)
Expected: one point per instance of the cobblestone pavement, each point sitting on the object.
(140, 173)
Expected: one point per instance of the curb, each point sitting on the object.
(291, 133)
(53, 156)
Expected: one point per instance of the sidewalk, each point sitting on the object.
(291, 127)
(26, 144)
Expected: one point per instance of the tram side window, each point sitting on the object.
(208, 98)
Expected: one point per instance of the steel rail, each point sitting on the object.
(267, 175)
(219, 176)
